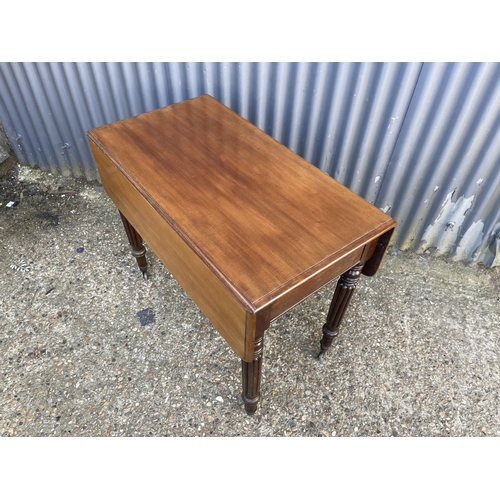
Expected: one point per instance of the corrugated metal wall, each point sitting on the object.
(419, 140)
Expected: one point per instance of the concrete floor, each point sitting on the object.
(88, 348)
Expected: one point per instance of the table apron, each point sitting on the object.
(303, 290)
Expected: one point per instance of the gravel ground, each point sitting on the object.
(89, 348)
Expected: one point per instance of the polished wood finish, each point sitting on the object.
(371, 267)
(247, 227)
(227, 314)
(252, 370)
(251, 375)
(135, 240)
(340, 301)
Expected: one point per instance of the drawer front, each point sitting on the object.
(302, 290)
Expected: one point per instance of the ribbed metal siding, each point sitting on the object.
(328, 113)
(420, 141)
(443, 180)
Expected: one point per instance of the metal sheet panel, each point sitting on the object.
(420, 141)
(443, 180)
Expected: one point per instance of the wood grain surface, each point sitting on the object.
(261, 218)
(219, 305)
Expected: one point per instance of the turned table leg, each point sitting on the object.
(341, 298)
(135, 240)
(251, 374)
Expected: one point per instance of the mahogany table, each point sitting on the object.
(248, 228)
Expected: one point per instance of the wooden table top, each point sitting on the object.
(261, 217)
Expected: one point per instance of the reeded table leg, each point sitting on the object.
(341, 298)
(251, 374)
(135, 240)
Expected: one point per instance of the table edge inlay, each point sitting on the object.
(323, 264)
(261, 302)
